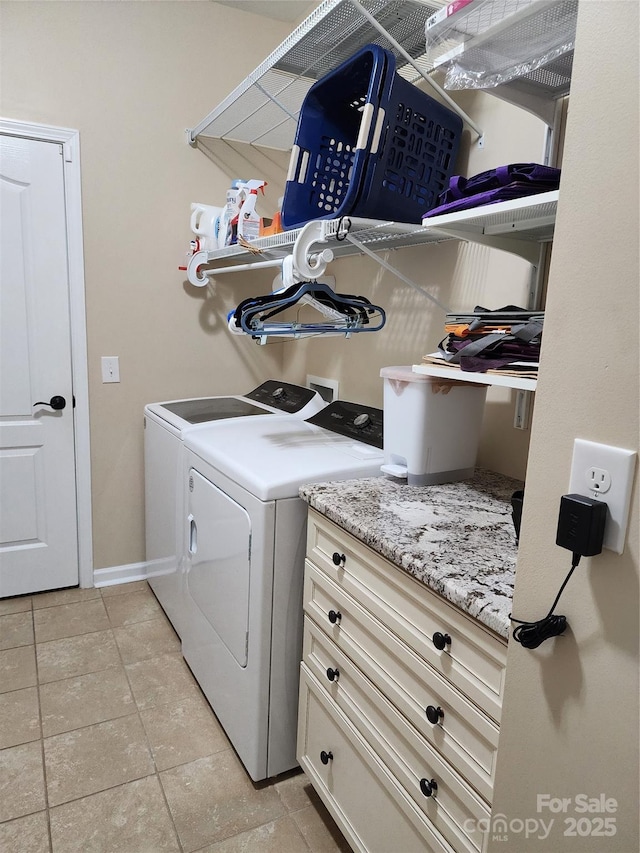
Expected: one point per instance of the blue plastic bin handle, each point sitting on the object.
(365, 126)
(377, 132)
(298, 164)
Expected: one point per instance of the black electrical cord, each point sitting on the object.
(531, 634)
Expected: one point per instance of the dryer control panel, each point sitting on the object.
(282, 395)
(362, 423)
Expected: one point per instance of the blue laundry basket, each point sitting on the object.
(369, 144)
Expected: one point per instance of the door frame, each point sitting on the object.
(70, 141)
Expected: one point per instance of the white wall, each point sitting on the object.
(571, 709)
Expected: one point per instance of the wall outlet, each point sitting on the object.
(605, 473)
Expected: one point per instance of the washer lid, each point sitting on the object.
(272, 458)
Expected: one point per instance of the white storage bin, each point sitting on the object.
(431, 427)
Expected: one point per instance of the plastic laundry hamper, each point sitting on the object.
(369, 144)
(431, 427)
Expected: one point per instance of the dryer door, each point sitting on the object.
(219, 550)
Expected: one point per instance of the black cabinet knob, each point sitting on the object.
(334, 616)
(434, 715)
(441, 640)
(338, 559)
(326, 757)
(428, 787)
(333, 674)
(56, 402)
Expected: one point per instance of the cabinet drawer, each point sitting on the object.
(366, 802)
(467, 737)
(474, 659)
(455, 809)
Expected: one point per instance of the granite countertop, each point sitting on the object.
(457, 538)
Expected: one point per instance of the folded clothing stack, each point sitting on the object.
(501, 184)
(505, 340)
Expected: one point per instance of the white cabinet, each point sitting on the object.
(398, 677)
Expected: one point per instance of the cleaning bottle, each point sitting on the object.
(249, 220)
(205, 224)
(230, 212)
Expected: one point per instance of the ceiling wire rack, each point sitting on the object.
(263, 110)
(499, 34)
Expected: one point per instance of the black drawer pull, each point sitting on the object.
(326, 757)
(338, 559)
(428, 787)
(333, 674)
(441, 640)
(334, 616)
(434, 715)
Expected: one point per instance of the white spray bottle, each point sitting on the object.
(249, 220)
(231, 211)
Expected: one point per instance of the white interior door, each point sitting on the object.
(38, 517)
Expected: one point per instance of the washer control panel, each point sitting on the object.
(282, 395)
(362, 423)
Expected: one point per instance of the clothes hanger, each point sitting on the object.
(345, 314)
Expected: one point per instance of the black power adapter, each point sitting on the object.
(581, 524)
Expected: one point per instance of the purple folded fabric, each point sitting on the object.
(502, 184)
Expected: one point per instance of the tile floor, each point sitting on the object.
(107, 744)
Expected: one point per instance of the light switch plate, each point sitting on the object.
(110, 368)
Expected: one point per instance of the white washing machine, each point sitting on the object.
(165, 425)
(246, 536)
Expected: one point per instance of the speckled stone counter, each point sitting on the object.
(456, 538)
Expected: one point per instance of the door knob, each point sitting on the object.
(56, 402)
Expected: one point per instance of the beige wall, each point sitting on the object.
(131, 77)
(571, 718)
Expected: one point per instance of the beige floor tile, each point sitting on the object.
(19, 717)
(77, 655)
(296, 791)
(15, 605)
(131, 818)
(144, 640)
(213, 798)
(123, 588)
(320, 830)
(28, 834)
(17, 668)
(16, 629)
(161, 680)
(132, 607)
(64, 596)
(183, 731)
(70, 620)
(84, 700)
(278, 836)
(21, 780)
(95, 758)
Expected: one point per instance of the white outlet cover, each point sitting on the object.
(614, 464)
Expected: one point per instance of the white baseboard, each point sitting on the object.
(120, 574)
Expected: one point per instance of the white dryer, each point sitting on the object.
(165, 425)
(246, 536)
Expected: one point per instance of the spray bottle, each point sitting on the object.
(230, 213)
(249, 220)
